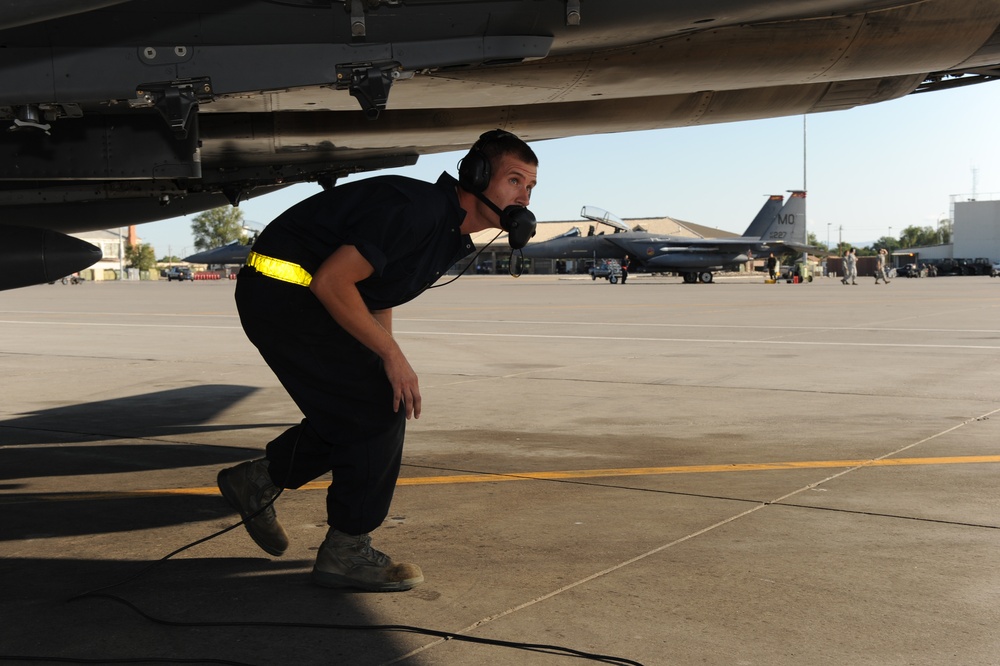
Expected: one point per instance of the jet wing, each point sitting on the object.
(232, 253)
(124, 107)
(136, 110)
(707, 243)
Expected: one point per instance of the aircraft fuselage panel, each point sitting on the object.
(694, 261)
(255, 94)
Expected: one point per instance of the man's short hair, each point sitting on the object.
(497, 143)
(477, 168)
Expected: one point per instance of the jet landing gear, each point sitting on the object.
(693, 277)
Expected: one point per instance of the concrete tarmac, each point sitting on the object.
(726, 474)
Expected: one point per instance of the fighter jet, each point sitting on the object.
(775, 227)
(231, 253)
(129, 111)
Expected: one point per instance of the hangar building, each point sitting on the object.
(975, 234)
(976, 230)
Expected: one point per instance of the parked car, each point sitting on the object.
(912, 271)
(995, 270)
(609, 269)
(179, 273)
(788, 272)
(982, 266)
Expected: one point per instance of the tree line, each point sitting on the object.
(911, 236)
(211, 229)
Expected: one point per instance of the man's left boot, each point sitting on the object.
(248, 489)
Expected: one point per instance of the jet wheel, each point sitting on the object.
(705, 277)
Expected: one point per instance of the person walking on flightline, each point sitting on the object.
(850, 267)
(882, 270)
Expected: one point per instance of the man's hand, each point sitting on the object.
(404, 385)
(400, 373)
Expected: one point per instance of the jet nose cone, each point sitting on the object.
(36, 256)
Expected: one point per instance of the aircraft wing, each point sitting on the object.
(635, 243)
(726, 244)
(746, 244)
(125, 111)
(701, 244)
(231, 253)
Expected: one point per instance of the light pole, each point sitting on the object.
(828, 237)
(121, 255)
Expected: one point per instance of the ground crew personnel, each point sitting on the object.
(316, 299)
(882, 270)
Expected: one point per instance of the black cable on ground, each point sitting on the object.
(517, 645)
(100, 593)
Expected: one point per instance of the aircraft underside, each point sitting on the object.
(130, 111)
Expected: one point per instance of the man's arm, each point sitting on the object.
(384, 318)
(335, 284)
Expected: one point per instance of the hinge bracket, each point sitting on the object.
(175, 100)
(367, 83)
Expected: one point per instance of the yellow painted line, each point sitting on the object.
(685, 469)
(450, 479)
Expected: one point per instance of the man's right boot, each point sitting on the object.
(248, 487)
(345, 560)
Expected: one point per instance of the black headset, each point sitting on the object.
(474, 173)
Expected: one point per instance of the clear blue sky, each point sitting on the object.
(868, 169)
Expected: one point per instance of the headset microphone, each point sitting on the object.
(517, 221)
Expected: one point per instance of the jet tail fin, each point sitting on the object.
(760, 223)
(788, 226)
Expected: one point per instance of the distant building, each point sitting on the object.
(112, 248)
(975, 235)
(976, 230)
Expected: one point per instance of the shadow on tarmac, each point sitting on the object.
(265, 606)
(112, 459)
(78, 437)
(160, 414)
(157, 414)
(82, 513)
(231, 609)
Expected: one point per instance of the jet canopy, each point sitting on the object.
(604, 217)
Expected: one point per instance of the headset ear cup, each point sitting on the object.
(474, 172)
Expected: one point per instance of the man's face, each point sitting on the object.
(512, 182)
